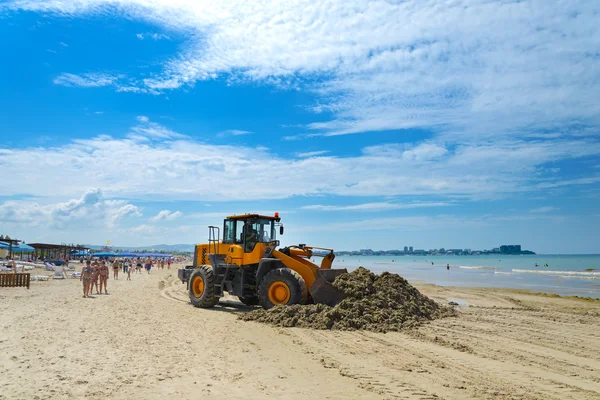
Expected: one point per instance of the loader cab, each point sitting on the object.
(252, 232)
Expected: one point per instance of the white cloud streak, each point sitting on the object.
(153, 160)
(377, 206)
(545, 209)
(166, 215)
(309, 154)
(86, 80)
(234, 132)
(153, 36)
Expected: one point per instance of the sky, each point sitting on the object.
(365, 124)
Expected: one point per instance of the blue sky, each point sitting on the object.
(367, 124)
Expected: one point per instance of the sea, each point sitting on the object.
(569, 275)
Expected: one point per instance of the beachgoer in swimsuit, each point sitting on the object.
(115, 269)
(169, 263)
(448, 267)
(162, 263)
(138, 267)
(95, 274)
(129, 273)
(148, 264)
(103, 276)
(86, 278)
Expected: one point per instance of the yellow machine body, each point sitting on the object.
(246, 255)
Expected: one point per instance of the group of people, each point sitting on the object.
(91, 274)
(97, 271)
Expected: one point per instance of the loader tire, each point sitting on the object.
(282, 286)
(202, 287)
(249, 301)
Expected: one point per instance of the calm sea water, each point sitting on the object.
(573, 275)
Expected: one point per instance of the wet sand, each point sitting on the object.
(145, 340)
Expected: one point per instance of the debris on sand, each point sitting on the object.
(378, 303)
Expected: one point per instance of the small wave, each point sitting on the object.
(545, 272)
(587, 278)
(476, 267)
(502, 273)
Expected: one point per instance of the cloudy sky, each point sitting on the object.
(365, 124)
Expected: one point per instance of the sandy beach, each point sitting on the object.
(144, 340)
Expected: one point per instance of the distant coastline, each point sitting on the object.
(506, 250)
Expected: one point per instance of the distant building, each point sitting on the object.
(510, 249)
(410, 249)
(406, 249)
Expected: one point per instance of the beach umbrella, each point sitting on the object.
(23, 248)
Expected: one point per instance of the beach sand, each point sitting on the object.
(144, 340)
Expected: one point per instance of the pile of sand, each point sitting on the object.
(378, 303)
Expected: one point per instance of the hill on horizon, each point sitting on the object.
(156, 247)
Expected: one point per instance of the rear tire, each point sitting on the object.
(282, 286)
(202, 287)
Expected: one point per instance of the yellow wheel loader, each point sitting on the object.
(246, 263)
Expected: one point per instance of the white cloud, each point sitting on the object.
(235, 132)
(309, 154)
(85, 80)
(90, 209)
(153, 36)
(378, 206)
(152, 130)
(477, 68)
(63, 44)
(166, 215)
(545, 209)
(154, 161)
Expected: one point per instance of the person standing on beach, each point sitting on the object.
(95, 274)
(448, 267)
(162, 263)
(129, 273)
(115, 269)
(169, 261)
(103, 276)
(86, 278)
(148, 264)
(138, 266)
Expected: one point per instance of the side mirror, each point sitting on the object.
(281, 230)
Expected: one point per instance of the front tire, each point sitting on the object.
(202, 287)
(282, 286)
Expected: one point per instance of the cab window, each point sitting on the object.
(229, 231)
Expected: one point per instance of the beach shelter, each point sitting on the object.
(129, 255)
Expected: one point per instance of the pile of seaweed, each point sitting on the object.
(379, 303)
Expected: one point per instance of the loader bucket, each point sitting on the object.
(322, 291)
